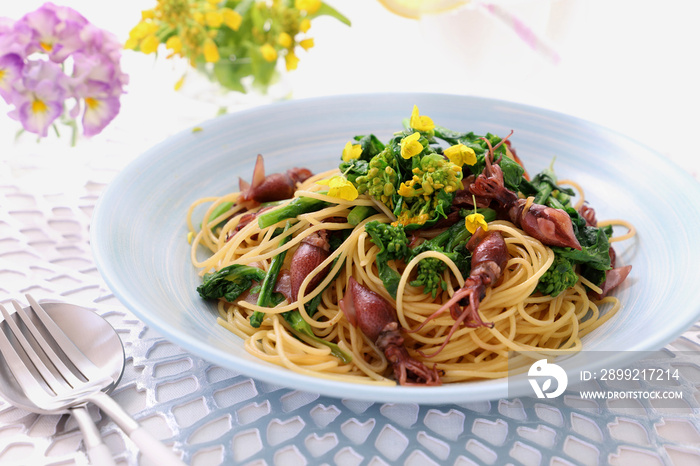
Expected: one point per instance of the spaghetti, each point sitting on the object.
(352, 277)
(523, 321)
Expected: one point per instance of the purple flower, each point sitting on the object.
(10, 69)
(39, 96)
(35, 51)
(56, 31)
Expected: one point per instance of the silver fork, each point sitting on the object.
(76, 389)
(34, 390)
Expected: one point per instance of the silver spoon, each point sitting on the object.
(96, 338)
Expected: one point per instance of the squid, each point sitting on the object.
(274, 187)
(489, 260)
(551, 226)
(376, 318)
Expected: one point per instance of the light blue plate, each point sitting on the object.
(139, 236)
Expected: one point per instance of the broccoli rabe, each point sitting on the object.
(430, 269)
(381, 179)
(512, 171)
(230, 282)
(428, 195)
(298, 206)
(558, 277)
(546, 191)
(393, 245)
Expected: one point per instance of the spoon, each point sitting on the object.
(96, 338)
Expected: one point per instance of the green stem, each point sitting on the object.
(268, 284)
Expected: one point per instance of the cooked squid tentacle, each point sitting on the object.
(551, 226)
(489, 260)
(376, 318)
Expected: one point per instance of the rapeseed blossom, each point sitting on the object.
(232, 40)
(410, 145)
(340, 187)
(459, 154)
(55, 65)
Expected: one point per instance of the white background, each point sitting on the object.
(630, 65)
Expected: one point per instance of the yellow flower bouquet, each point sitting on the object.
(233, 42)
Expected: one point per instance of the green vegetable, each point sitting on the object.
(230, 282)
(298, 206)
(354, 169)
(428, 195)
(370, 145)
(359, 213)
(558, 277)
(393, 245)
(512, 171)
(594, 256)
(268, 284)
(594, 243)
(546, 191)
(382, 178)
(218, 211)
(430, 269)
(299, 325)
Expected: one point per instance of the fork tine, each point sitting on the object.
(81, 362)
(17, 366)
(66, 373)
(31, 353)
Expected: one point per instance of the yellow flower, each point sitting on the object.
(174, 43)
(420, 123)
(310, 6)
(306, 44)
(291, 61)
(131, 43)
(474, 221)
(340, 187)
(232, 18)
(214, 18)
(459, 154)
(305, 25)
(268, 52)
(198, 16)
(285, 40)
(142, 29)
(211, 51)
(351, 151)
(149, 44)
(148, 14)
(410, 146)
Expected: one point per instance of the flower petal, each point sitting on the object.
(98, 113)
(411, 146)
(473, 221)
(37, 115)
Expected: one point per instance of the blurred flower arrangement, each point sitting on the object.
(56, 67)
(235, 43)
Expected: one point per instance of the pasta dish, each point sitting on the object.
(430, 258)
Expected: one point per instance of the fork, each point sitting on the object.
(97, 451)
(69, 387)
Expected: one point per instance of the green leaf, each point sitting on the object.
(327, 10)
